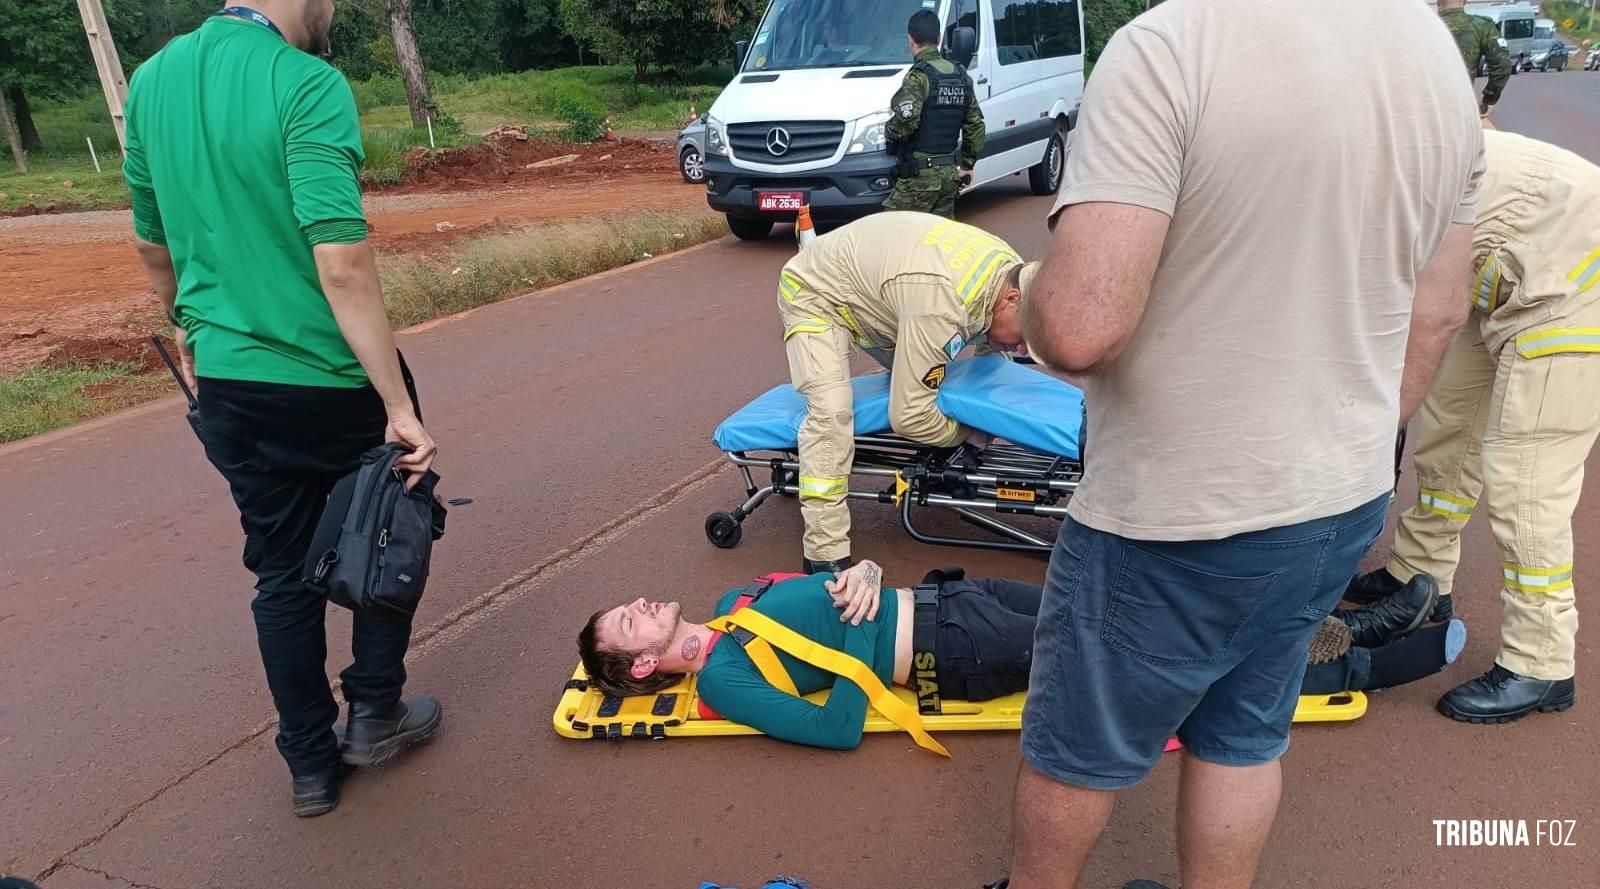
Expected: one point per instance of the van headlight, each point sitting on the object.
(869, 132)
(716, 137)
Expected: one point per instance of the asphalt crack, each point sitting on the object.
(452, 626)
(103, 874)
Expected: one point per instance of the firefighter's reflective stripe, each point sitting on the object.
(1587, 273)
(862, 339)
(811, 486)
(1537, 580)
(1447, 505)
(1485, 294)
(788, 286)
(1560, 339)
(978, 275)
(809, 325)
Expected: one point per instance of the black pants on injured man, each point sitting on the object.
(983, 632)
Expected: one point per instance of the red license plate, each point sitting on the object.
(779, 201)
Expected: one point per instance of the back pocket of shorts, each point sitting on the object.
(1168, 614)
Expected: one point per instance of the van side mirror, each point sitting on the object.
(740, 50)
(963, 46)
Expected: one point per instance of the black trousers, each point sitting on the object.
(984, 645)
(281, 449)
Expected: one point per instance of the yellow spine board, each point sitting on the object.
(674, 713)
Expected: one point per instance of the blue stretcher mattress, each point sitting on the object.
(1007, 400)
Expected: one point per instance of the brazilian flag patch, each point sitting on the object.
(934, 377)
(953, 347)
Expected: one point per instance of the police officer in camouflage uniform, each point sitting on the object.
(1478, 41)
(935, 128)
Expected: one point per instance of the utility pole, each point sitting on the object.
(106, 61)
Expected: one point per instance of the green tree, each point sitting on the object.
(1102, 18)
(661, 32)
(44, 55)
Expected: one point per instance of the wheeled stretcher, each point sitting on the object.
(1030, 468)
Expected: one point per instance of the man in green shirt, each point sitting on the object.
(935, 126)
(243, 152)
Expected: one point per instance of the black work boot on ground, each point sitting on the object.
(1503, 696)
(833, 567)
(316, 794)
(1393, 616)
(378, 733)
(1375, 586)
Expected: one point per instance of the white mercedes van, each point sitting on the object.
(802, 122)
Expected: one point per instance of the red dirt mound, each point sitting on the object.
(57, 207)
(107, 350)
(507, 160)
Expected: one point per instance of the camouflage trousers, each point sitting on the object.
(932, 190)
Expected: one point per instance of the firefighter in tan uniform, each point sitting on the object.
(911, 290)
(1510, 420)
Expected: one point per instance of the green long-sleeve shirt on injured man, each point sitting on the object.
(731, 684)
(242, 154)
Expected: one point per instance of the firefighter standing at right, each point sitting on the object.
(1479, 43)
(935, 127)
(1512, 416)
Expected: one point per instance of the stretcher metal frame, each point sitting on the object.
(980, 486)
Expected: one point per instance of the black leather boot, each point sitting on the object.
(1503, 696)
(1375, 586)
(377, 734)
(1393, 616)
(833, 567)
(316, 794)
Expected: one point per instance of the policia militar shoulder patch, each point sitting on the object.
(934, 377)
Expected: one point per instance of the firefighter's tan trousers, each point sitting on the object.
(1513, 429)
(819, 367)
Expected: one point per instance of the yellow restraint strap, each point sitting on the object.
(823, 658)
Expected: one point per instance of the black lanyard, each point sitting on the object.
(250, 15)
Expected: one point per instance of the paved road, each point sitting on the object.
(135, 747)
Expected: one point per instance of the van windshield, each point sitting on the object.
(1517, 29)
(1543, 33)
(832, 34)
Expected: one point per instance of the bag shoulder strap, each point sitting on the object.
(835, 662)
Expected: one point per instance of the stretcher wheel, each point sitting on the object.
(723, 530)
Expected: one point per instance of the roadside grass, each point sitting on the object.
(41, 399)
(63, 128)
(416, 288)
(1584, 25)
(492, 269)
(547, 102)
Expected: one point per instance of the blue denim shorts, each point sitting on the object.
(1139, 641)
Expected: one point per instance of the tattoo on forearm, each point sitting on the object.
(691, 648)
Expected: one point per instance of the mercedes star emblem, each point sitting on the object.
(778, 141)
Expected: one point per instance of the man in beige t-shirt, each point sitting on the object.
(1254, 277)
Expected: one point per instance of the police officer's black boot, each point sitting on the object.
(1503, 696)
(834, 567)
(378, 733)
(1375, 586)
(1394, 616)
